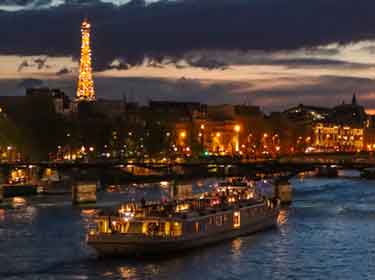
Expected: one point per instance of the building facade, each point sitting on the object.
(333, 137)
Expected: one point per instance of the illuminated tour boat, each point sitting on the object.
(141, 229)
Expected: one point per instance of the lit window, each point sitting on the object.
(197, 227)
(236, 219)
(219, 220)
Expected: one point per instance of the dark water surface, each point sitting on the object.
(328, 233)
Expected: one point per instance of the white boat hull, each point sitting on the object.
(138, 245)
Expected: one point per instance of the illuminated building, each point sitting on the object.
(307, 114)
(369, 142)
(220, 138)
(85, 89)
(209, 137)
(332, 137)
(349, 114)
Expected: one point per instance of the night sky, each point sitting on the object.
(271, 53)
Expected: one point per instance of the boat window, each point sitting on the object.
(167, 228)
(176, 229)
(236, 219)
(124, 227)
(225, 218)
(197, 227)
(162, 228)
(135, 227)
(103, 226)
(151, 228)
(219, 220)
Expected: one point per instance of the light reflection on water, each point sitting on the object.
(18, 202)
(283, 217)
(327, 233)
(236, 247)
(2, 215)
(127, 272)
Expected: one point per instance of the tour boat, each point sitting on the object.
(153, 229)
(368, 173)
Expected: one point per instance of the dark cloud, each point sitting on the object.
(170, 29)
(41, 62)
(22, 65)
(63, 71)
(369, 49)
(155, 64)
(322, 51)
(332, 90)
(36, 4)
(119, 64)
(30, 83)
(310, 91)
(315, 62)
(207, 63)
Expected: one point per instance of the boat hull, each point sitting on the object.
(125, 245)
(19, 190)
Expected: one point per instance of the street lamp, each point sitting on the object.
(201, 136)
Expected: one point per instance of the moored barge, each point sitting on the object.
(155, 229)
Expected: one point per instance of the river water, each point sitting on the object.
(328, 233)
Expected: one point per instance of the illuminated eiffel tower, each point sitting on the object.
(85, 89)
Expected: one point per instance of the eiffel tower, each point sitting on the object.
(85, 89)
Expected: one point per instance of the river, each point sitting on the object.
(327, 233)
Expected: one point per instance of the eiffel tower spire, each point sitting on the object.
(85, 89)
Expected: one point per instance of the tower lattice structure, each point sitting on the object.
(85, 89)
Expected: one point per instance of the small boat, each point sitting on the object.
(368, 173)
(284, 192)
(56, 184)
(156, 229)
(329, 171)
(12, 190)
(113, 189)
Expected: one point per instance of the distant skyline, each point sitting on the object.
(271, 53)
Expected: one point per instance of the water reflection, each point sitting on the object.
(283, 217)
(2, 215)
(127, 272)
(313, 241)
(236, 247)
(17, 202)
(89, 212)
